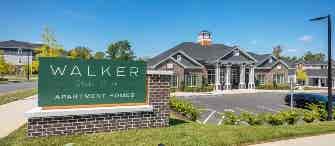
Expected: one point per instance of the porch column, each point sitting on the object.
(227, 83)
(242, 76)
(217, 77)
(319, 82)
(251, 84)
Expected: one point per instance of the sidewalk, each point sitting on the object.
(12, 114)
(321, 140)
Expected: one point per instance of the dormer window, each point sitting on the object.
(178, 57)
(236, 52)
(270, 60)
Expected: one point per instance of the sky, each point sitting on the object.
(153, 26)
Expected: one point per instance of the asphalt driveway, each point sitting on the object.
(212, 105)
(17, 86)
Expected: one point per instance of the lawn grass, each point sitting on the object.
(180, 133)
(16, 95)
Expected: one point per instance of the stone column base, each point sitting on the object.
(227, 86)
(218, 87)
(242, 86)
(251, 86)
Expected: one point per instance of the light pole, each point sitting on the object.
(329, 81)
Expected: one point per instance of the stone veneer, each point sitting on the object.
(158, 91)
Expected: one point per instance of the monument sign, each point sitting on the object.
(76, 82)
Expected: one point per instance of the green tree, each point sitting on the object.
(80, 52)
(291, 58)
(309, 56)
(277, 50)
(301, 75)
(120, 50)
(99, 55)
(3, 65)
(50, 48)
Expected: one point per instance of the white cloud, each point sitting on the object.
(306, 38)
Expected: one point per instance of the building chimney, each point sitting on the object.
(205, 38)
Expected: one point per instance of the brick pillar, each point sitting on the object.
(159, 94)
(69, 124)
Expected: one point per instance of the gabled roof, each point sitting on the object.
(265, 61)
(19, 44)
(259, 57)
(195, 51)
(280, 61)
(186, 61)
(243, 57)
(204, 55)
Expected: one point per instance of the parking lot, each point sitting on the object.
(212, 105)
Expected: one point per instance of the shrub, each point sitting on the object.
(230, 118)
(206, 88)
(182, 86)
(276, 119)
(318, 111)
(172, 89)
(252, 119)
(184, 107)
(273, 86)
(283, 86)
(3, 79)
(291, 116)
(310, 116)
(313, 113)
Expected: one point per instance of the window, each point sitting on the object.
(178, 57)
(174, 81)
(278, 78)
(19, 51)
(261, 79)
(193, 79)
(169, 66)
(270, 60)
(211, 76)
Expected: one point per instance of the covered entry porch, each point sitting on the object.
(234, 76)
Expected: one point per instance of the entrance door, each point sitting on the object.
(235, 76)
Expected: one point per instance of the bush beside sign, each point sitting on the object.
(71, 82)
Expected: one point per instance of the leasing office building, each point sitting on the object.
(230, 67)
(225, 67)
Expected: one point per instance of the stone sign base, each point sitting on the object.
(108, 119)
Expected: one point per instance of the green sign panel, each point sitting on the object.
(65, 82)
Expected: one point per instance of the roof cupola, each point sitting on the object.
(205, 38)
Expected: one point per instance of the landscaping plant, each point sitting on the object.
(314, 113)
(184, 107)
